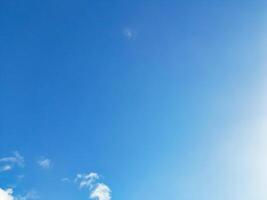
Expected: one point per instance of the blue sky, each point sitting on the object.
(133, 100)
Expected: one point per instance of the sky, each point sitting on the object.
(133, 100)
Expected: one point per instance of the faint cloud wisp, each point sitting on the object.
(129, 33)
(31, 195)
(8, 163)
(45, 163)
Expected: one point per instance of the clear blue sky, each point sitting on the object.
(160, 98)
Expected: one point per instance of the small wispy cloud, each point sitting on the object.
(86, 180)
(5, 168)
(8, 163)
(31, 195)
(99, 191)
(65, 180)
(129, 33)
(45, 163)
(21, 176)
(15, 159)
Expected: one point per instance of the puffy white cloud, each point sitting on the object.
(45, 163)
(101, 192)
(6, 194)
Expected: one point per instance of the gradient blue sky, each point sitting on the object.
(163, 99)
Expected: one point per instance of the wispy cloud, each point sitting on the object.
(8, 163)
(65, 180)
(31, 195)
(86, 180)
(21, 176)
(99, 191)
(45, 163)
(15, 159)
(5, 168)
(129, 33)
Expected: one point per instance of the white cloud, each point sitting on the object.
(129, 33)
(5, 168)
(6, 194)
(86, 180)
(98, 191)
(45, 163)
(11, 161)
(101, 192)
